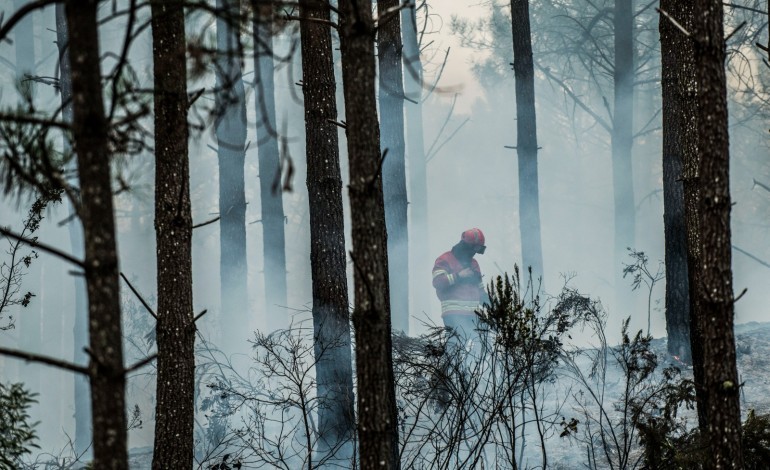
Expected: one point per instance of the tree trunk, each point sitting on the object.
(377, 419)
(80, 330)
(270, 187)
(675, 52)
(175, 330)
(394, 166)
(622, 132)
(422, 294)
(526, 144)
(715, 291)
(231, 140)
(331, 321)
(31, 319)
(90, 131)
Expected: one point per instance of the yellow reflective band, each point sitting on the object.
(454, 305)
(438, 273)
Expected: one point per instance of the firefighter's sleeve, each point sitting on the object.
(442, 278)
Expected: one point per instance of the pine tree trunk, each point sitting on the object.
(270, 186)
(675, 105)
(31, 319)
(622, 132)
(80, 329)
(175, 330)
(231, 143)
(526, 144)
(422, 293)
(715, 290)
(90, 131)
(331, 321)
(394, 167)
(377, 419)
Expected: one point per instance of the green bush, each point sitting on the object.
(17, 434)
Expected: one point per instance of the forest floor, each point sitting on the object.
(753, 354)
(753, 360)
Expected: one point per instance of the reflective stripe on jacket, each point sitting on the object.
(457, 296)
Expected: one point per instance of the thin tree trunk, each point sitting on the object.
(526, 145)
(622, 132)
(422, 294)
(674, 50)
(331, 321)
(174, 408)
(377, 419)
(31, 324)
(231, 140)
(80, 329)
(394, 166)
(270, 187)
(715, 291)
(90, 131)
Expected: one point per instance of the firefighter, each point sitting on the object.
(459, 286)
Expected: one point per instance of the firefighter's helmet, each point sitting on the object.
(475, 238)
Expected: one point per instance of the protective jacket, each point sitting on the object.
(458, 296)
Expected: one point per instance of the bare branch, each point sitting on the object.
(47, 360)
(575, 98)
(674, 22)
(203, 224)
(141, 363)
(20, 14)
(139, 296)
(47, 248)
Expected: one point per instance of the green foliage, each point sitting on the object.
(12, 271)
(17, 434)
(529, 337)
(29, 162)
(756, 440)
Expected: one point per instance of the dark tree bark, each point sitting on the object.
(270, 188)
(90, 131)
(526, 144)
(415, 154)
(676, 51)
(231, 150)
(331, 321)
(80, 330)
(687, 99)
(622, 131)
(377, 419)
(394, 166)
(175, 330)
(715, 290)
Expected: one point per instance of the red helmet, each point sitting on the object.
(475, 238)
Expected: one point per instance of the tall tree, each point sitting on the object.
(622, 130)
(391, 97)
(720, 389)
(526, 132)
(91, 141)
(175, 329)
(231, 149)
(270, 188)
(31, 323)
(419, 252)
(678, 146)
(331, 321)
(377, 418)
(82, 442)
